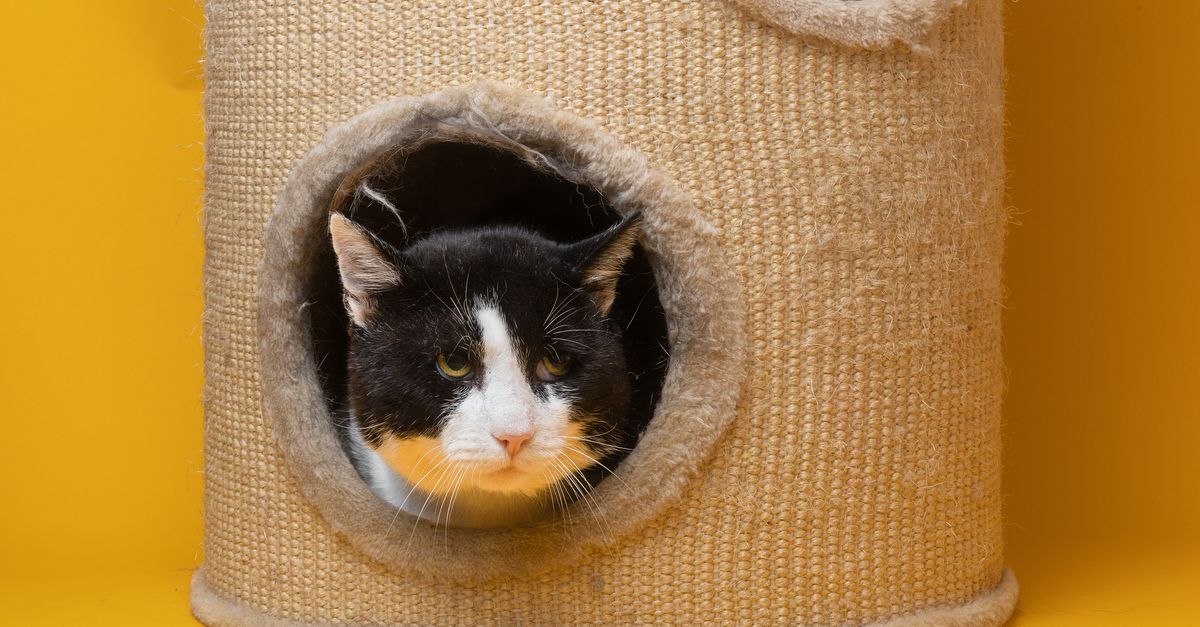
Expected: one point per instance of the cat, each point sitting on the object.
(486, 383)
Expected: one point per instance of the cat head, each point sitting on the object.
(484, 358)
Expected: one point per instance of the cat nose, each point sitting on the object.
(512, 441)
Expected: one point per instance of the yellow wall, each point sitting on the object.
(100, 361)
(1103, 321)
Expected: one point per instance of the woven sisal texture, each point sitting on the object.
(858, 197)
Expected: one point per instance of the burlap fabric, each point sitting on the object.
(856, 195)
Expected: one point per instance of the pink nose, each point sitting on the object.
(512, 441)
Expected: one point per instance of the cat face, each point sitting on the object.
(483, 358)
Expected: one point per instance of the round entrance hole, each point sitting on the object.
(490, 154)
(402, 196)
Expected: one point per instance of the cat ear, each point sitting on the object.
(604, 255)
(364, 268)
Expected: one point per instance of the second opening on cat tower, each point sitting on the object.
(493, 155)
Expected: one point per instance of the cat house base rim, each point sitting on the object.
(992, 607)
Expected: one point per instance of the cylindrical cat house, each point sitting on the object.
(820, 183)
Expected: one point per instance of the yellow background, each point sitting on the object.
(101, 368)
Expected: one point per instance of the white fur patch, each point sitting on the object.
(467, 464)
(504, 403)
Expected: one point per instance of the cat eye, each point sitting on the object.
(453, 366)
(552, 367)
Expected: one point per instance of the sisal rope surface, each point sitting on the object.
(858, 197)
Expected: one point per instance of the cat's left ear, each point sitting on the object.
(603, 256)
(364, 268)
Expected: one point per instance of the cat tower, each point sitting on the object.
(821, 184)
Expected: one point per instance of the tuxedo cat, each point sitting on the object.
(486, 382)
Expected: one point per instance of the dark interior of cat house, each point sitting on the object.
(454, 184)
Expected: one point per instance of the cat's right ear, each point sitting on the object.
(364, 268)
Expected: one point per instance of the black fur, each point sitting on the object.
(394, 387)
(446, 186)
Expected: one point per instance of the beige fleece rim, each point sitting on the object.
(700, 297)
(992, 607)
(869, 24)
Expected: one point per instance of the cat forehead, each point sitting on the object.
(516, 292)
(458, 251)
(530, 315)
(514, 270)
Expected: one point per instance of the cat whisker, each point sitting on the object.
(593, 460)
(576, 343)
(568, 479)
(553, 306)
(392, 522)
(565, 508)
(445, 497)
(467, 285)
(556, 314)
(413, 488)
(455, 311)
(432, 491)
(556, 331)
(447, 466)
(427, 473)
(420, 459)
(459, 305)
(579, 416)
(577, 483)
(633, 316)
(598, 444)
(464, 339)
(453, 496)
(552, 495)
(442, 498)
(587, 488)
(559, 318)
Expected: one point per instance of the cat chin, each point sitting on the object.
(512, 480)
(486, 477)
